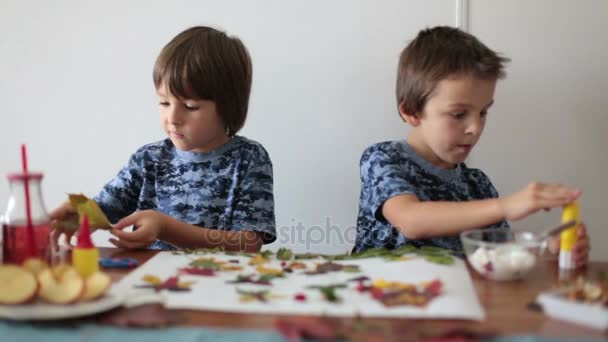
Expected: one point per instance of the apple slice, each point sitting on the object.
(17, 285)
(61, 284)
(35, 265)
(96, 285)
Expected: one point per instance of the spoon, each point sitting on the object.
(556, 230)
(545, 235)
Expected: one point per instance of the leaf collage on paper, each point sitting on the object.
(259, 270)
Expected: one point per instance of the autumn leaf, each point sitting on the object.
(84, 205)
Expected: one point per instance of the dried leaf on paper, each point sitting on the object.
(251, 296)
(392, 293)
(329, 266)
(170, 284)
(329, 291)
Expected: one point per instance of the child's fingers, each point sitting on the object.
(140, 234)
(68, 239)
(117, 243)
(563, 195)
(557, 191)
(581, 258)
(582, 246)
(55, 234)
(553, 245)
(582, 231)
(125, 244)
(127, 221)
(125, 236)
(63, 211)
(547, 203)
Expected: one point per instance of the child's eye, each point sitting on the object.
(484, 113)
(190, 107)
(163, 104)
(458, 116)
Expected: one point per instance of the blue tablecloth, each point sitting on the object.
(23, 332)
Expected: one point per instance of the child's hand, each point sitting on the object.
(64, 220)
(149, 225)
(537, 196)
(580, 252)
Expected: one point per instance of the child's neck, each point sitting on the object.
(214, 144)
(425, 152)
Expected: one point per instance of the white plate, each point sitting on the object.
(41, 311)
(555, 306)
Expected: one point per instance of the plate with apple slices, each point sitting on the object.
(34, 291)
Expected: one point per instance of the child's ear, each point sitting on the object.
(411, 119)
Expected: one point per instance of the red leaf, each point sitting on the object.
(170, 283)
(435, 287)
(377, 293)
(206, 272)
(362, 287)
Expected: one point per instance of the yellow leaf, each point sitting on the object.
(185, 284)
(150, 279)
(83, 205)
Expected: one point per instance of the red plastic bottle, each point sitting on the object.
(23, 238)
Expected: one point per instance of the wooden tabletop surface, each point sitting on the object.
(507, 306)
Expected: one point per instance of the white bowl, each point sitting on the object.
(501, 254)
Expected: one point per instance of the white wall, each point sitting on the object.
(76, 87)
(550, 118)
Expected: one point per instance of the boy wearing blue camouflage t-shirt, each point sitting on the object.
(419, 190)
(203, 186)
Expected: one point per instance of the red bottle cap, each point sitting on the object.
(84, 235)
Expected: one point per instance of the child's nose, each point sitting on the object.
(174, 116)
(475, 127)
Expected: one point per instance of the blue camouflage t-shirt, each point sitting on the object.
(393, 168)
(229, 188)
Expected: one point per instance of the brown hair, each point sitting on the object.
(204, 63)
(436, 54)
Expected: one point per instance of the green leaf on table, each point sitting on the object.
(284, 254)
(329, 291)
(440, 259)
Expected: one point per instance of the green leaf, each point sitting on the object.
(329, 291)
(307, 256)
(266, 254)
(284, 254)
(440, 259)
(207, 264)
(405, 249)
(351, 269)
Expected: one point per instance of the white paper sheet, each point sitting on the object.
(457, 300)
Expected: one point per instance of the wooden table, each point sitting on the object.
(507, 305)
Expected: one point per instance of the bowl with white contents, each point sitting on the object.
(500, 253)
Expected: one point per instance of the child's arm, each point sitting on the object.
(420, 220)
(153, 225)
(119, 197)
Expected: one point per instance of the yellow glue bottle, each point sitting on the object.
(85, 257)
(568, 237)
